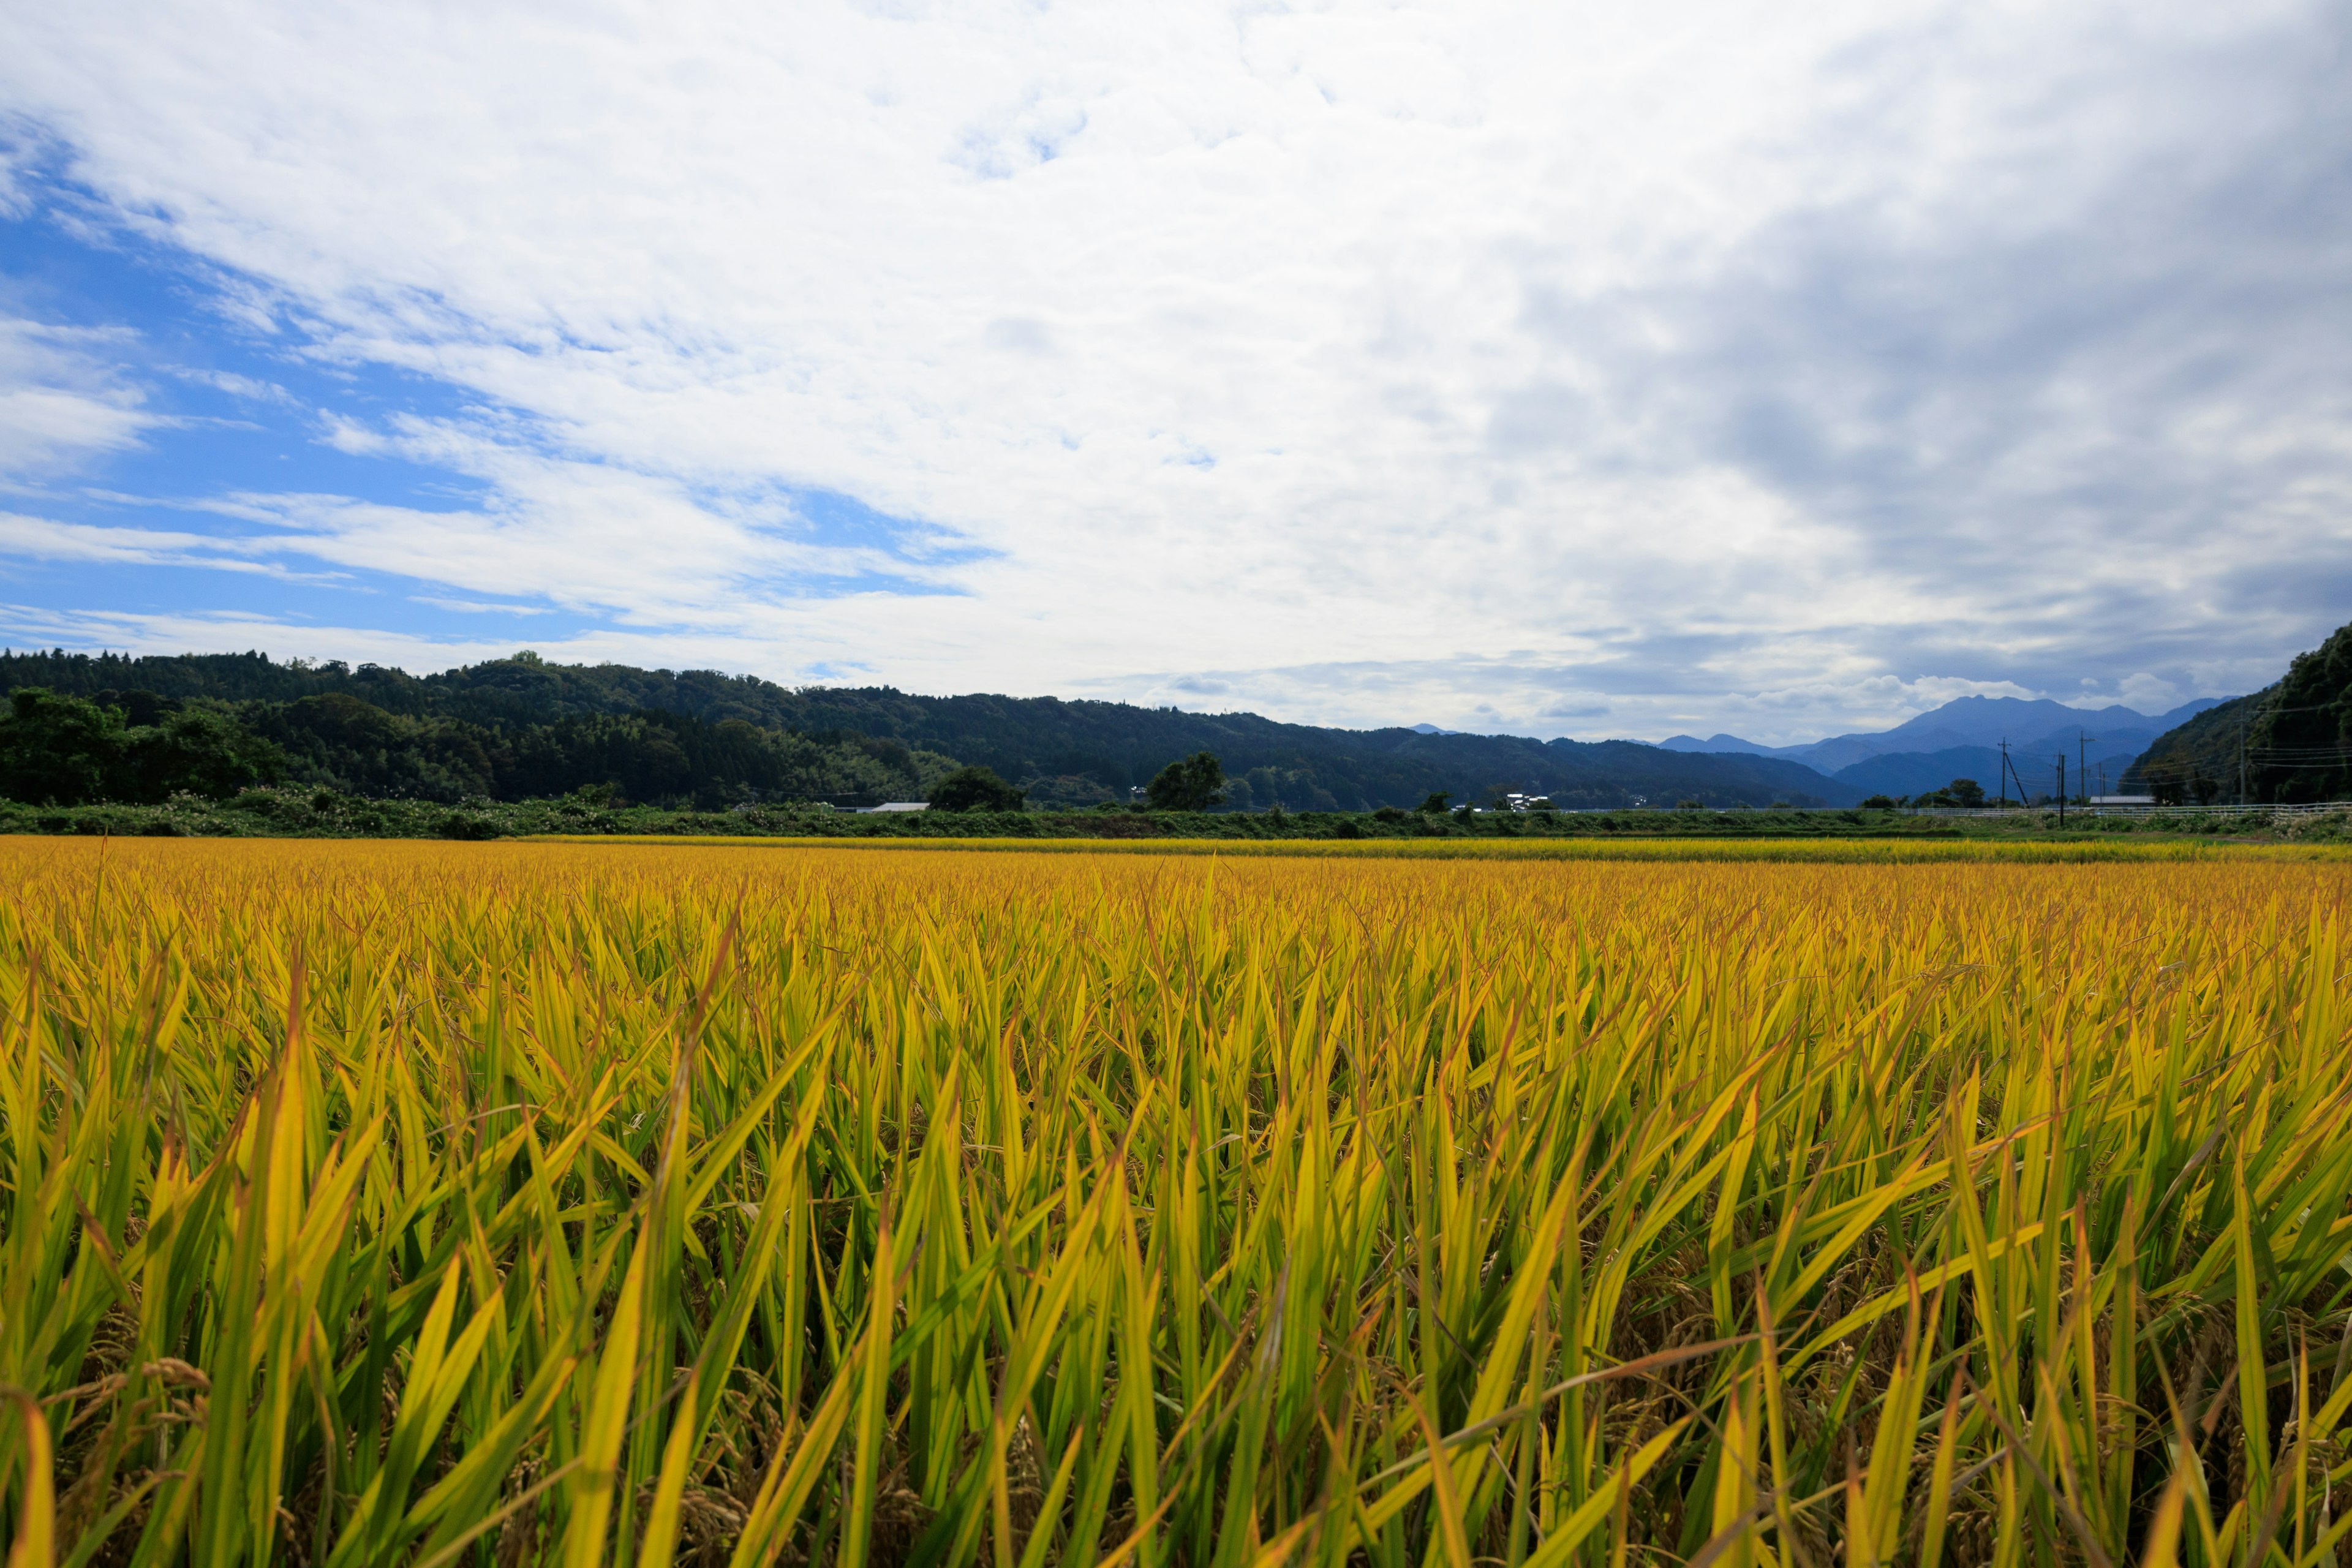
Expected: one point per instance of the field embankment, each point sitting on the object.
(1758, 850)
(320, 814)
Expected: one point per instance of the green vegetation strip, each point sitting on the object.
(1834, 851)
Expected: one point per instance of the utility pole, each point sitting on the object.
(2061, 789)
(2004, 772)
(2081, 769)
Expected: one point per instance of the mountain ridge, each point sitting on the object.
(2288, 743)
(1066, 753)
(2033, 726)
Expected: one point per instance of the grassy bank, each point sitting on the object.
(1820, 850)
(299, 814)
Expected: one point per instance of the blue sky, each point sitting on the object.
(1561, 369)
(216, 407)
(238, 424)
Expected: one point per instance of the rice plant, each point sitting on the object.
(497, 1203)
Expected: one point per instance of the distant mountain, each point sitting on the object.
(1988, 721)
(2036, 729)
(1723, 743)
(2035, 770)
(1916, 773)
(2199, 759)
(1070, 753)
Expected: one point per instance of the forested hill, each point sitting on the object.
(2289, 744)
(1065, 752)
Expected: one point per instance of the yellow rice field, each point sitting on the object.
(501, 1203)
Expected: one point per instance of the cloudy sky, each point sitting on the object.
(1568, 369)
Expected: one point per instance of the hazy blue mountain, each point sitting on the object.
(1915, 773)
(1902, 774)
(1987, 720)
(1720, 742)
(2037, 727)
(1841, 751)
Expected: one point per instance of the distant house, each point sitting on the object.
(896, 806)
(2123, 800)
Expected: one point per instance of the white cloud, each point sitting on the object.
(15, 155)
(1691, 358)
(31, 625)
(250, 388)
(590, 537)
(62, 401)
(478, 607)
(2149, 693)
(41, 539)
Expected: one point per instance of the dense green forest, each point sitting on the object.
(107, 727)
(522, 726)
(141, 746)
(2287, 744)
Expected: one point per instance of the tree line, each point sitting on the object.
(1059, 753)
(141, 746)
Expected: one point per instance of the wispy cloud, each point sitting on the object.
(478, 607)
(63, 399)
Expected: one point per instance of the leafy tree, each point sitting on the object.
(139, 708)
(351, 745)
(1966, 791)
(199, 749)
(1195, 784)
(71, 751)
(1435, 805)
(1066, 791)
(974, 788)
(55, 750)
(2300, 747)
(1879, 803)
(645, 755)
